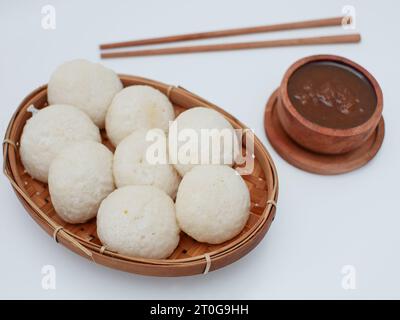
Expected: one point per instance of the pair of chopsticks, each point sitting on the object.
(328, 22)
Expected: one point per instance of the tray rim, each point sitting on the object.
(81, 246)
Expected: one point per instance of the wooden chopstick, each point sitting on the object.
(349, 38)
(327, 22)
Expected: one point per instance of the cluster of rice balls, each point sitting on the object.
(132, 198)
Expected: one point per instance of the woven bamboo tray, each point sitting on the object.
(190, 257)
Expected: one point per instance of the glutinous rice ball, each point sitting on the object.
(85, 85)
(137, 107)
(133, 165)
(80, 177)
(206, 125)
(49, 131)
(212, 204)
(138, 221)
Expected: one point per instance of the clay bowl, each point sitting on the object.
(321, 139)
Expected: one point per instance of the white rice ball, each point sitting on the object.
(137, 107)
(80, 177)
(212, 204)
(49, 131)
(198, 120)
(138, 221)
(86, 85)
(133, 165)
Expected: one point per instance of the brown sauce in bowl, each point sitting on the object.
(332, 94)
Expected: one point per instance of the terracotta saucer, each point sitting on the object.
(315, 162)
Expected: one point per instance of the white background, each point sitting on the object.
(322, 224)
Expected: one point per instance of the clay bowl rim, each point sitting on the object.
(370, 124)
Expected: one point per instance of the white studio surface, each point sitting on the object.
(327, 228)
